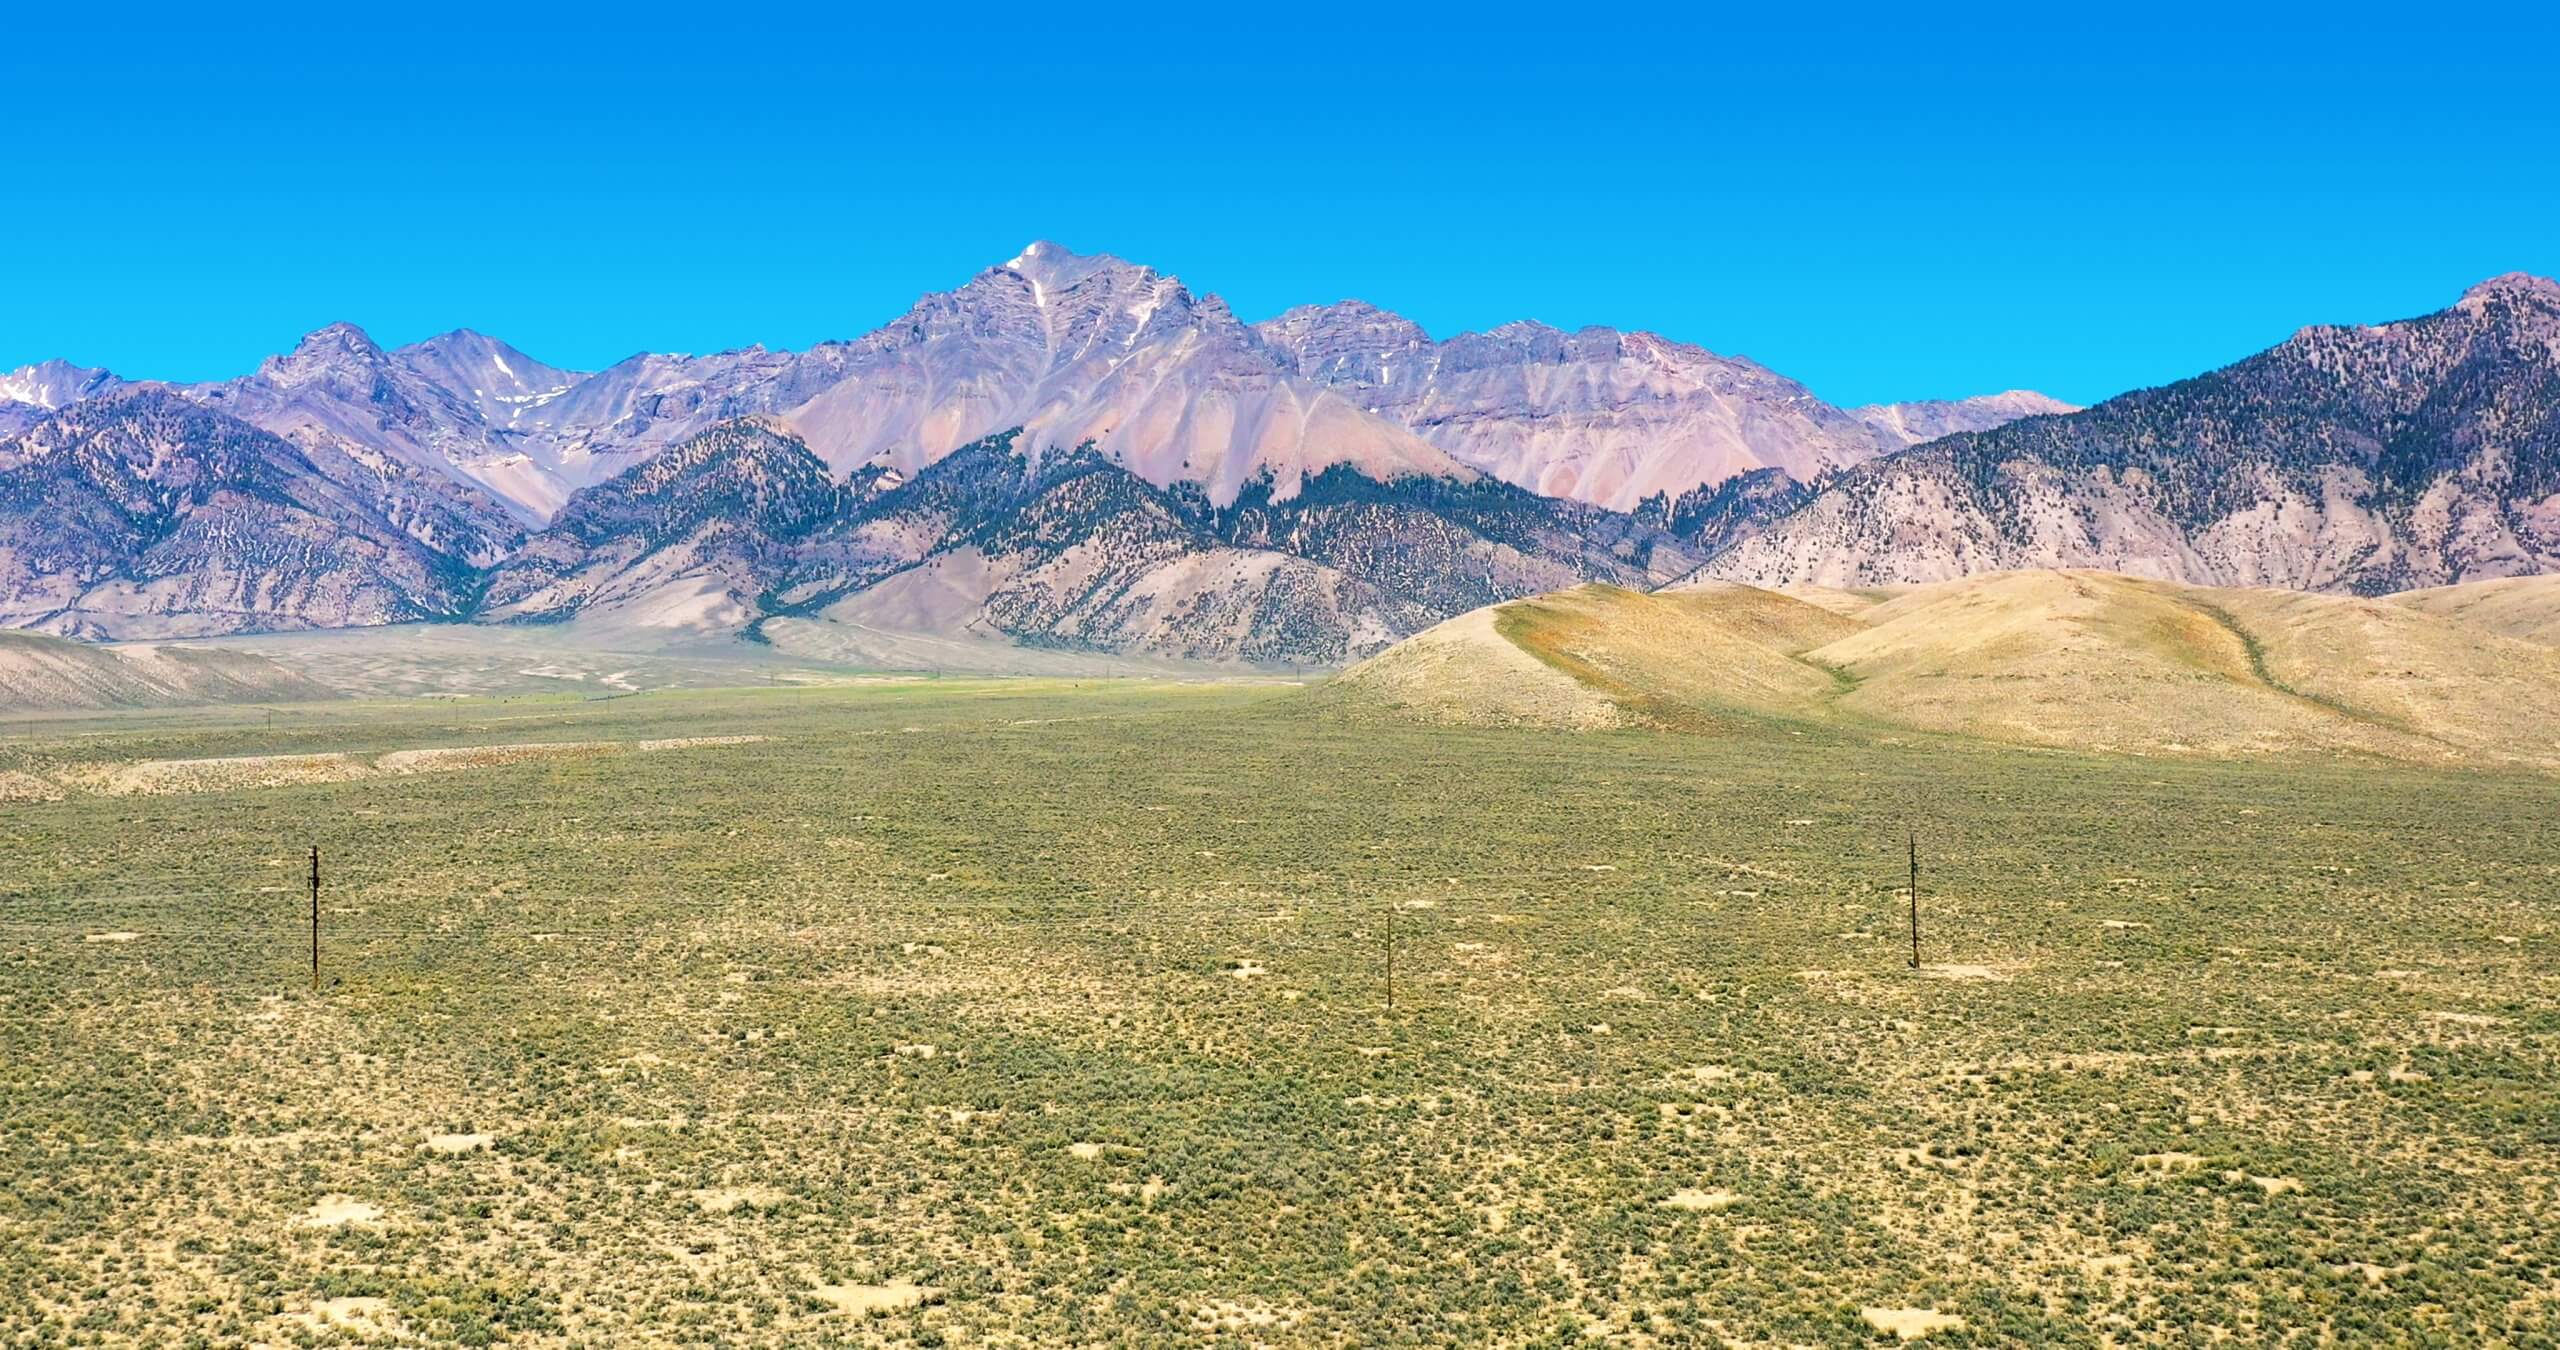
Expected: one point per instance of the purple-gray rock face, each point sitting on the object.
(1615, 419)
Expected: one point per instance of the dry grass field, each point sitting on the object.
(2070, 660)
(1039, 1014)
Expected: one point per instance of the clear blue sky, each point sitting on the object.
(1895, 204)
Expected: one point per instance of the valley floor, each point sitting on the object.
(1047, 1013)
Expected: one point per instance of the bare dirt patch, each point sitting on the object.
(1230, 1315)
(337, 1211)
(865, 1299)
(454, 759)
(361, 1315)
(725, 1199)
(1958, 971)
(168, 777)
(459, 1143)
(163, 777)
(1695, 1198)
(1911, 1324)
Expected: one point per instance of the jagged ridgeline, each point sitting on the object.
(1066, 451)
(1078, 452)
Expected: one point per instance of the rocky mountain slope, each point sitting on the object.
(146, 514)
(367, 412)
(2081, 660)
(1072, 548)
(1601, 416)
(2363, 459)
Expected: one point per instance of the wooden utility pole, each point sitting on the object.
(1391, 956)
(1915, 899)
(315, 918)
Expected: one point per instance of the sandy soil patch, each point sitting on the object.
(1229, 1315)
(1704, 1073)
(915, 1050)
(724, 1199)
(2463, 1019)
(1957, 971)
(1246, 970)
(451, 759)
(2171, 1161)
(2271, 1185)
(865, 1299)
(337, 1211)
(163, 777)
(1694, 1198)
(2373, 1274)
(356, 1314)
(1911, 1324)
(120, 935)
(459, 1143)
(1148, 1192)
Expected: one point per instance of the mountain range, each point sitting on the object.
(2364, 459)
(1077, 451)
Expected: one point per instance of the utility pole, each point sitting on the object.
(1915, 899)
(315, 918)
(1391, 956)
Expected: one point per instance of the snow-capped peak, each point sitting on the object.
(54, 384)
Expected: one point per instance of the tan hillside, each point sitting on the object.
(1601, 656)
(2096, 660)
(2081, 660)
(47, 674)
(2519, 607)
(1850, 604)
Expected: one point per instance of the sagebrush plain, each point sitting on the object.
(1047, 1013)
